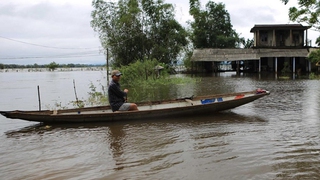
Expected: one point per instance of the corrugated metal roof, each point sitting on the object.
(279, 26)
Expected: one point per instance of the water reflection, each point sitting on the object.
(116, 129)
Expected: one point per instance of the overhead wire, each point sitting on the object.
(52, 47)
(44, 46)
(54, 57)
(94, 52)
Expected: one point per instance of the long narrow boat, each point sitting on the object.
(147, 110)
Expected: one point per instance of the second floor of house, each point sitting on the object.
(280, 36)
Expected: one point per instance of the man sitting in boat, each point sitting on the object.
(117, 97)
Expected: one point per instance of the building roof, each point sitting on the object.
(279, 27)
(244, 54)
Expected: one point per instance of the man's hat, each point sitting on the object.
(115, 73)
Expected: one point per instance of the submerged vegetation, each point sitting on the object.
(52, 66)
(150, 80)
(314, 76)
(96, 97)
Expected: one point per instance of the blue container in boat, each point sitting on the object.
(207, 101)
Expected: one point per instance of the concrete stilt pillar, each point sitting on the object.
(276, 65)
(260, 65)
(294, 65)
(309, 63)
(238, 67)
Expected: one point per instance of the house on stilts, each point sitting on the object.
(276, 47)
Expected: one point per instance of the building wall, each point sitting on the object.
(279, 38)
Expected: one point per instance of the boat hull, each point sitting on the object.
(172, 108)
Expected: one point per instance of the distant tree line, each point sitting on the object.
(52, 64)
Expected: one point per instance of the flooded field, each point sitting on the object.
(275, 137)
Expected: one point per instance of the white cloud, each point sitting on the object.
(44, 24)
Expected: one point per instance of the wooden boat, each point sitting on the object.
(147, 110)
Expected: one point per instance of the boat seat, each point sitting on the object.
(190, 101)
(55, 112)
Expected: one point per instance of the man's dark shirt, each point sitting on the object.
(116, 96)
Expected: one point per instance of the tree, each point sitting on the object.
(314, 56)
(212, 27)
(137, 29)
(307, 12)
(247, 43)
(52, 66)
(318, 41)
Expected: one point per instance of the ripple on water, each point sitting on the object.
(276, 137)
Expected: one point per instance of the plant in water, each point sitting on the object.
(149, 80)
(57, 105)
(96, 97)
(78, 103)
(314, 76)
(52, 66)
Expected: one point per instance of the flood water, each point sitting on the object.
(275, 137)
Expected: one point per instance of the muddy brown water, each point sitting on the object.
(275, 137)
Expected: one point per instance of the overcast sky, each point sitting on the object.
(42, 31)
